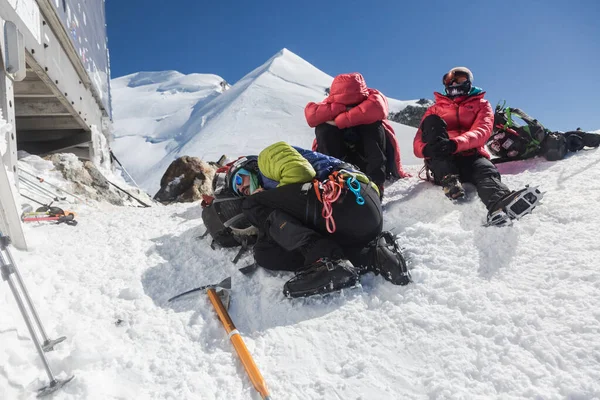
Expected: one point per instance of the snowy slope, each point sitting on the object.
(508, 313)
(150, 109)
(265, 106)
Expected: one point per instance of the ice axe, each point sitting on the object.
(238, 344)
(224, 284)
(221, 290)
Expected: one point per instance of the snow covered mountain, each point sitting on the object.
(168, 115)
(150, 111)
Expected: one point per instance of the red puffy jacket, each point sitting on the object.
(469, 119)
(370, 106)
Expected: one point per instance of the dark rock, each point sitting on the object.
(411, 115)
(186, 180)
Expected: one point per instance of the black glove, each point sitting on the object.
(441, 148)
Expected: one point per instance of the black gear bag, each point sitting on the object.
(512, 141)
(223, 215)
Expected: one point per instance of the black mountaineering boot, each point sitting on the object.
(452, 187)
(323, 276)
(387, 259)
(515, 205)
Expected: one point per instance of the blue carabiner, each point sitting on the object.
(354, 187)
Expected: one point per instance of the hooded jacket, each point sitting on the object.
(469, 120)
(368, 106)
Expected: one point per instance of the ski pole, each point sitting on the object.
(35, 189)
(54, 186)
(240, 347)
(129, 194)
(37, 219)
(28, 190)
(124, 170)
(9, 270)
(41, 189)
(35, 201)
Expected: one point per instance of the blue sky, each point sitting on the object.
(540, 56)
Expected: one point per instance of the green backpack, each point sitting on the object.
(511, 140)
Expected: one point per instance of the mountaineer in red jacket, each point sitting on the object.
(351, 124)
(451, 138)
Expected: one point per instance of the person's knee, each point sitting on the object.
(269, 255)
(377, 125)
(480, 175)
(325, 129)
(483, 169)
(433, 127)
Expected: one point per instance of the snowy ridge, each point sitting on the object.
(265, 106)
(493, 312)
(150, 109)
(399, 105)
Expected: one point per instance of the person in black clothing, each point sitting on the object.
(327, 250)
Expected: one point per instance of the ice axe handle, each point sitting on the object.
(240, 347)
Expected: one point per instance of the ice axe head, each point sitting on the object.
(221, 287)
(223, 290)
(225, 295)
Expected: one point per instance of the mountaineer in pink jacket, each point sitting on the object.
(351, 124)
(451, 138)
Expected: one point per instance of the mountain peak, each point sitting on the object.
(285, 52)
(289, 66)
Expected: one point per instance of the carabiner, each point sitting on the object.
(354, 187)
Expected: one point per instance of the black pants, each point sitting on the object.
(361, 145)
(472, 168)
(292, 232)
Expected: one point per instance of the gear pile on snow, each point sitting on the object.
(512, 140)
(48, 213)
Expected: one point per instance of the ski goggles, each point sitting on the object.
(455, 78)
(239, 179)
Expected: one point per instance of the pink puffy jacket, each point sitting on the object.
(370, 106)
(469, 120)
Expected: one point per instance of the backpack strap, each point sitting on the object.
(427, 172)
(241, 251)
